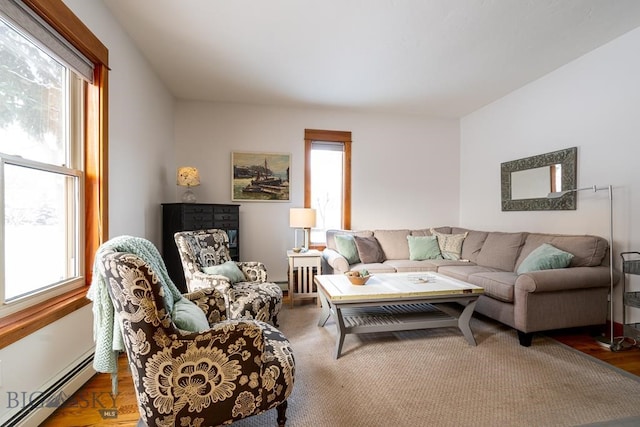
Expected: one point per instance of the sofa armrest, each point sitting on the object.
(565, 279)
(337, 262)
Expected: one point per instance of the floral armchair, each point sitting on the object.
(234, 369)
(250, 298)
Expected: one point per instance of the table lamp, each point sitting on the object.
(304, 219)
(188, 176)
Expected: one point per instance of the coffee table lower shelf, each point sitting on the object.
(370, 318)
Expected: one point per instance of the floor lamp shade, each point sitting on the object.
(302, 218)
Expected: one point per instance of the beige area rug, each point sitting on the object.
(435, 378)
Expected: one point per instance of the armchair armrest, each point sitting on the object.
(201, 280)
(211, 301)
(223, 333)
(254, 271)
(337, 262)
(224, 353)
(565, 279)
(255, 345)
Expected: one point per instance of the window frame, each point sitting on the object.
(343, 137)
(18, 325)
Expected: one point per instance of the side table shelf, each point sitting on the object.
(630, 265)
(302, 267)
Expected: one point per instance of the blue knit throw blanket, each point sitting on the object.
(106, 328)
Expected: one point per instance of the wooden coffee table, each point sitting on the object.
(396, 302)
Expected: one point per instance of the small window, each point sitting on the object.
(328, 181)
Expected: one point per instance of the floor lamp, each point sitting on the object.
(611, 344)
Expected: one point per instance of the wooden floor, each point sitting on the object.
(77, 412)
(627, 359)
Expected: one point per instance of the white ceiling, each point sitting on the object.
(443, 58)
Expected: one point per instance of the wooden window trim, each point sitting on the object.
(18, 325)
(344, 137)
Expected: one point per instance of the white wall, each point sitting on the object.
(141, 163)
(141, 156)
(591, 103)
(404, 168)
(32, 364)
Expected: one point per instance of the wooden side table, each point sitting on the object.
(302, 264)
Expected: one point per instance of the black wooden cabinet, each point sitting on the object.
(196, 216)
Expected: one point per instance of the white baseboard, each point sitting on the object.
(34, 409)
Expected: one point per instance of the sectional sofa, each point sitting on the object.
(528, 301)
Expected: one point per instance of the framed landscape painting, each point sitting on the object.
(260, 177)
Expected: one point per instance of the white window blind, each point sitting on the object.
(327, 146)
(41, 33)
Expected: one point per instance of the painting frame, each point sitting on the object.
(258, 176)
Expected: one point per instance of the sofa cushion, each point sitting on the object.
(464, 272)
(499, 285)
(472, 243)
(496, 284)
(423, 247)
(588, 251)
(369, 250)
(448, 262)
(347, 247)
(450, 244)
(545, 257)
(374, 268)
(408, 266)
(427, 231)
(393, 243)
(331, 234)
(500, 250)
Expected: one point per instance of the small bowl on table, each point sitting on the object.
(356, 279)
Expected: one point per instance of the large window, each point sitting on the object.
(41, 114)
(328, 180)
(53, 162)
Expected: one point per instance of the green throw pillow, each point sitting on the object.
(188, 316)
(229, 269)
(423, 247)
(545, 257)
(346, 246)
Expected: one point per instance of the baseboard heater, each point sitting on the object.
(39, 408)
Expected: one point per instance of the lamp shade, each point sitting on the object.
(188, 176)
(302, 218)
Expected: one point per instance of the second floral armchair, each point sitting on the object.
(207, 264)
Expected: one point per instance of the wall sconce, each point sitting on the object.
(305, 219)
(188, 176)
